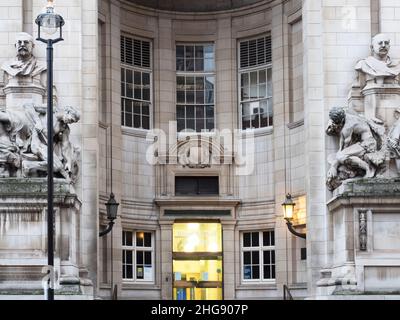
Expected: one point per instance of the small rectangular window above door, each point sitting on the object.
(188, 186)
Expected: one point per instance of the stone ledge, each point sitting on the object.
(36, 186)
(366, 191)
(6, 296)
(199, 201)
(356, 297)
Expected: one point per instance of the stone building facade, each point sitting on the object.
(248, 85)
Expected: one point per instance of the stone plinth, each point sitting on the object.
(23, 236)
(375, 100)
(381, 101)
(20, 90)
(365, 238)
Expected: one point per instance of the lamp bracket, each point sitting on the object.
(107, 230)
(293, 231)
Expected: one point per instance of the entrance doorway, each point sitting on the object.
(197, 261)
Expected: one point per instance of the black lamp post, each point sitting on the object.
(48, 24)
(112, 210)
(288, 208)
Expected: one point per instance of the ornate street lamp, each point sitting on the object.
(48, 24)
(288, 208)
(112, 210)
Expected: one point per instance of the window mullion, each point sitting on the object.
(133, 252)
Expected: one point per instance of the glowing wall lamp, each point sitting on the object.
(288, 209)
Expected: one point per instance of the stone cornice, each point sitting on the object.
(366, 192)
(134, 132)
(295, 124)
(247, 9)
(198, 202)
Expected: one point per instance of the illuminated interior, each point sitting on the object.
(197, 261)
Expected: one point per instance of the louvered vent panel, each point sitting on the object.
(122, 49)
(268, 50)
(146, 54)
(244, 54)
(135, 52)
(255, 52)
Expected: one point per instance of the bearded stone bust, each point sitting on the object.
(378, 67)
(25, 63)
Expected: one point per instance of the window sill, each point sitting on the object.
(140, 286)
(295, 124)
(135, 132)
(103, 125)
(259, 132)
(257, 286)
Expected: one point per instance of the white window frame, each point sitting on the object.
(139, 69)
(260, 249)
(134, 248)
(268, 68)
(196, 74)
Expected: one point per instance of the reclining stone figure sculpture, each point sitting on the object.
(23, 142)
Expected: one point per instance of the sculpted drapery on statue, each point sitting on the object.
(25, 64)
(379, 67)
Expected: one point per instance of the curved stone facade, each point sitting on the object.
(264, 76)
(195, 6)
(253, 199)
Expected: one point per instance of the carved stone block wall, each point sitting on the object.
(364, 233)
(23, 235)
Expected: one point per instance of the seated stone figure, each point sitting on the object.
(362, 148)
(378, 68)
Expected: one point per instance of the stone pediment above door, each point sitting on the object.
(198, 152)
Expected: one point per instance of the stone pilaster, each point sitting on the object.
(115, 140)
(314, 126)
(228, 236)
(166, 260)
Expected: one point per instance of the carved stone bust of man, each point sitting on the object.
(25, 63)
(378, 66)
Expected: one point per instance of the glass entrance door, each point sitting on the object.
(197, 261)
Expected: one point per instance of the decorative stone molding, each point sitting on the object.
(295, 124)
(363, 230)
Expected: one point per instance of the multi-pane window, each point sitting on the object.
(255, 82)
(195, 82)
(137, 256)
(135, 83)
(258, 255)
